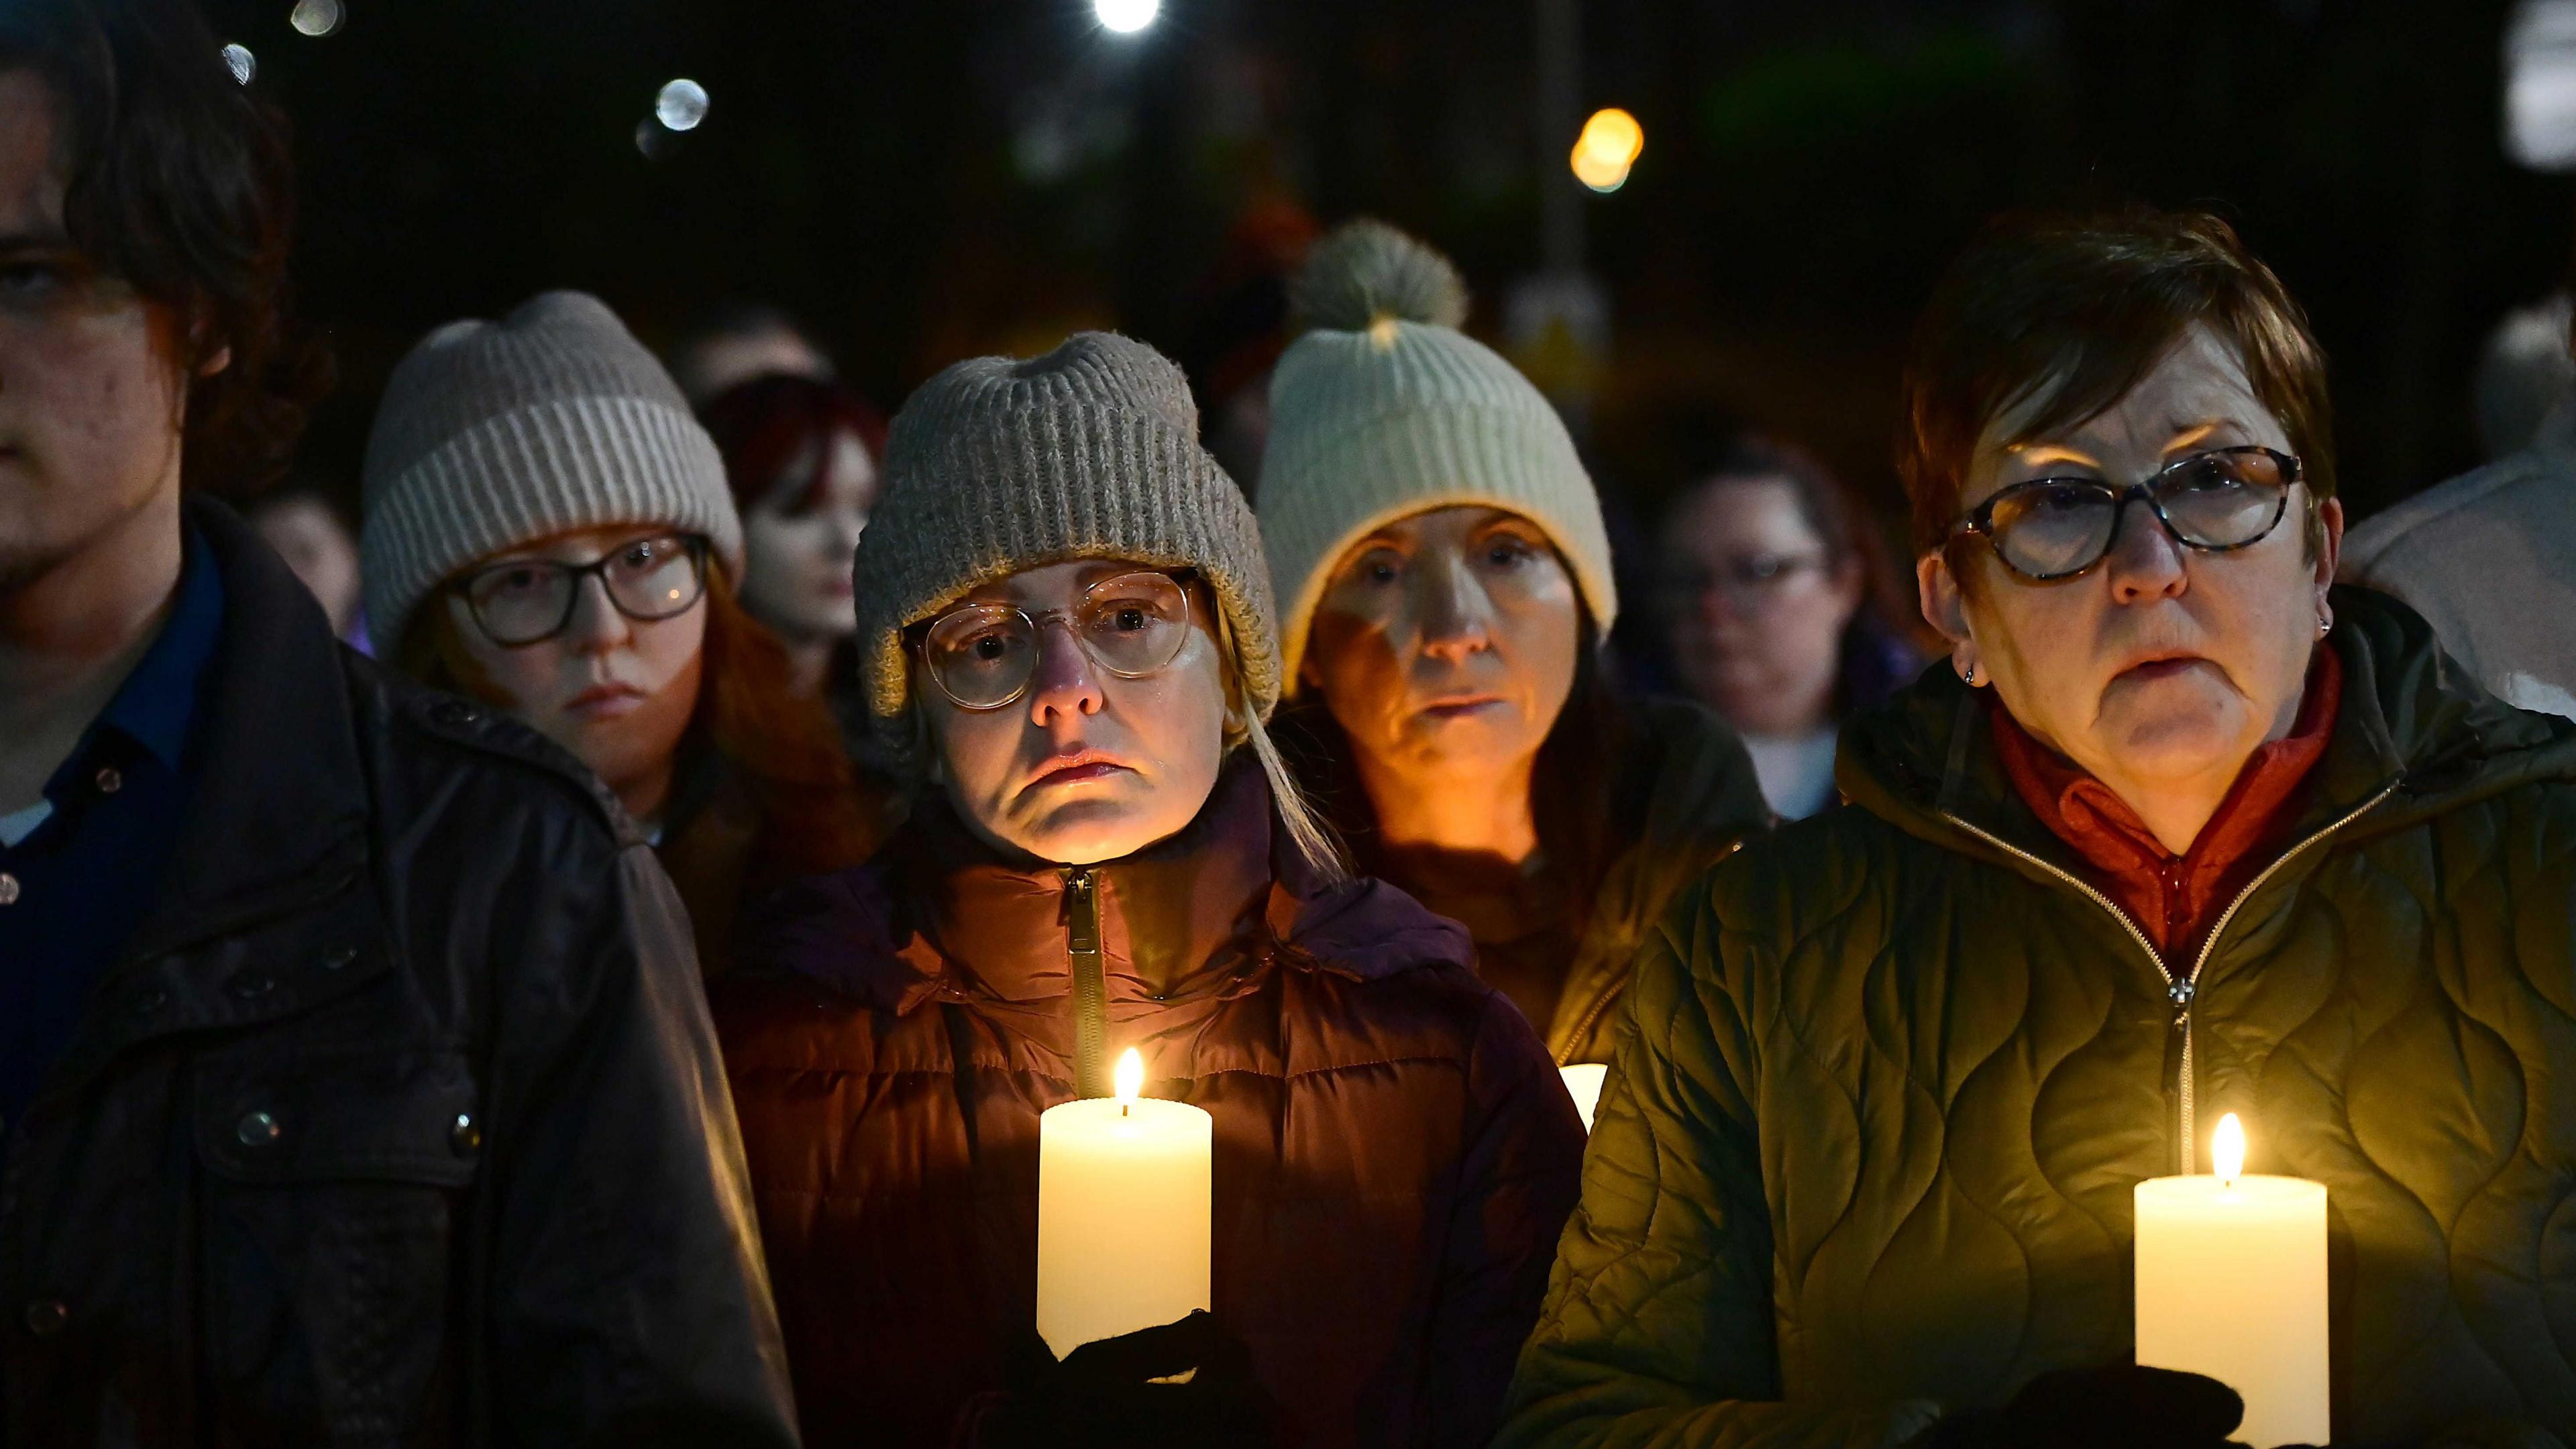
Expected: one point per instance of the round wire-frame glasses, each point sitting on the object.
(984, 656)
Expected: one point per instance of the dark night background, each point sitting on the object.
(925, 179)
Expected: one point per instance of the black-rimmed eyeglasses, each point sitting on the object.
(523, 600)
(2048, 529)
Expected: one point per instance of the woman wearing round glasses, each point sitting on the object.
(549, 531)
(2183, 832)
(1066, 641)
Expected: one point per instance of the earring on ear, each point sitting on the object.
(2325, 621)
(1971, 676)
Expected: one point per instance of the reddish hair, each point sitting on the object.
(2072, 312)
(771, 426)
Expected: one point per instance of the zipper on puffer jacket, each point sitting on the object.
(2180, 1072)
(1090, 985)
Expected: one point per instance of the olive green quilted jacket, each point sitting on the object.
(1685, 798)
(1889, 1077)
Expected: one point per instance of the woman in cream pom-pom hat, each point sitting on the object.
(1445, 584)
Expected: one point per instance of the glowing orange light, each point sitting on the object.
(1609, 145)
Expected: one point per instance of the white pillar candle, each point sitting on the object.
(1124, 1192)
(1583, 1083)
(2232, 1284)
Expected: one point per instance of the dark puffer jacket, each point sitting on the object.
(1395, 1152)
(1684, 799)
(400, 1120)
(1889, 1078)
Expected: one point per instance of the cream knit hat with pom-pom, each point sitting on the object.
(1384, 409)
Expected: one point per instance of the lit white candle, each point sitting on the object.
(1583, 1083)
(2232, 1284)
(1124, 1192)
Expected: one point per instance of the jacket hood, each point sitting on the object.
(1203, 912)
(2413, 725)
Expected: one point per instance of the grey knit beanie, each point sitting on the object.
(1384, 409)
(494, 434)
(998, 465)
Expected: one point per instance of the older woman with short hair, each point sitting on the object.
(2182, 832)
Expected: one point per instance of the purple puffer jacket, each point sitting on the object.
(1395, 1153)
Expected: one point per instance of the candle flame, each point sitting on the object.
(2227, 1150)
(1130, 1076)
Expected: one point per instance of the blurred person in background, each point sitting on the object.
(1066, 634)
(1776, 602)
(2183, 830)
(548, 530)
(740, 341)
(801, 454)
(307, 532)
(1239, 312)
(2489, 558)
(354, 1082)
(1446, 587)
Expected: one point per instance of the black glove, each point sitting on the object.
(1103, 1395)
(2115, 1406)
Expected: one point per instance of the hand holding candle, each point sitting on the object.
(2232, 1284)
(1125, 1186)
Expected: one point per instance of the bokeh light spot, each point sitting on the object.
(316, 17)
(1609, 145)
(681, 105)
(243, 64)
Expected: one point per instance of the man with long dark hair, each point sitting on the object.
(354, 1083)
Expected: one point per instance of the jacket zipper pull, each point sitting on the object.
(2178, 1069)
(1090, 988)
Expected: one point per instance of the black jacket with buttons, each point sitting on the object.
(400, 1121)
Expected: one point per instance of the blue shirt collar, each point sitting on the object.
(158, 701)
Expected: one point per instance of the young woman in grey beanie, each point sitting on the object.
(1066, 631)
(1446, 588)
(547, 528)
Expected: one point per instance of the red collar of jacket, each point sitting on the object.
(2174, 898)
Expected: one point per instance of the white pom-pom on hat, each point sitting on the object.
(1367, 273)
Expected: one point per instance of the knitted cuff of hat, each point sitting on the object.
(1384, 409)
(552, 469)
(493, 435)
(997, 466)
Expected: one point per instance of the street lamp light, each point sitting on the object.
(1126, 17)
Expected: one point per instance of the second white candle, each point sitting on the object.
(2232, 1285)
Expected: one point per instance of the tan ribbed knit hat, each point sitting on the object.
(1385, 409)
(998, 465)
(494, 434)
